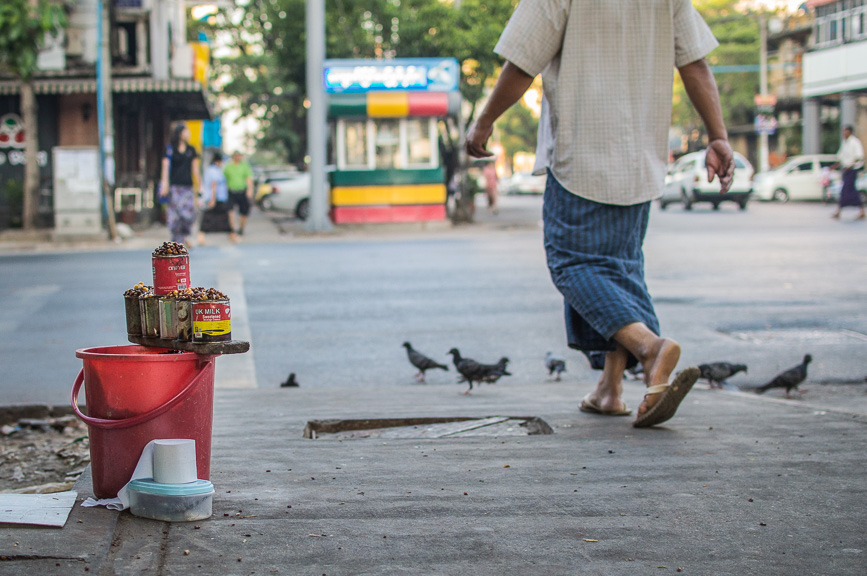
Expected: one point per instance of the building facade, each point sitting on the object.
(835, 69)
(157, 78)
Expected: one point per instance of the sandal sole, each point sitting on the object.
(667, 406)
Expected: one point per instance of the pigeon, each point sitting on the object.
(472, 371)
(421, 361)
(789, 379)
(717, 372)
(290, 382)
(554, 364)
(499, 370)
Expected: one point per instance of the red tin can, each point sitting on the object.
(212, 321)
(171, 273)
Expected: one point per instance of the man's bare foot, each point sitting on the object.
(659, 363)
(607, 397)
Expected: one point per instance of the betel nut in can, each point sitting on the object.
(150, 316)
(132, 307)
(171, 273)
(212, 320)
(168, 318)
(185, 320)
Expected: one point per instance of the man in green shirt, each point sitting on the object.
(239, 180)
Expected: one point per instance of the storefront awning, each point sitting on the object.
(187, 94)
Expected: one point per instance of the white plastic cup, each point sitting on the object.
(175, 461)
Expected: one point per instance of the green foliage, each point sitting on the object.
(13, 198)
(738, 35)
(22, 29)
(266, 72)
(517, 130)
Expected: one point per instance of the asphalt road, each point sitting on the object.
(762, 287)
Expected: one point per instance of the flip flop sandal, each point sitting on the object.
(672, 395)
(591, 408)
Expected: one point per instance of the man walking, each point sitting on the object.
(607, 71)
(239, 179)
(850, 158)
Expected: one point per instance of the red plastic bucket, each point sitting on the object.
(136, 394)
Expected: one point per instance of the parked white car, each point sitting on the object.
(524, 183)
(687, 183)
(286, 193)
(800, 178)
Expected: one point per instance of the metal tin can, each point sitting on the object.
(171, 273)
(212, 321)
(185, 320)
(150, 317)
(133, 316)
(168, 318)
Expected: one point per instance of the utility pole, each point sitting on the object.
(317, 121)
(764, 163)
(105, 114)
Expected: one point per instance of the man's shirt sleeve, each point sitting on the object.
(693, 39)
(534, 34)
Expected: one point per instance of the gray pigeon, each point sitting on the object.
(472, 371)
(421, 361)
(789, 379)
(554, 364)
(717, 372)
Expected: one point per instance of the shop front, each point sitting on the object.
(385, 124)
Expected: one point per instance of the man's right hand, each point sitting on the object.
(477, 140)
(720, 161)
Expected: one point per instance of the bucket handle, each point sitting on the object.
(107, 424)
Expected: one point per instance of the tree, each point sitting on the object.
(738, 36)
(265, 73)
(23, 26)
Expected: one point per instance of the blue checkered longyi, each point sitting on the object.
(596, 261)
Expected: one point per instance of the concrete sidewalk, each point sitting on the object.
(734, 484)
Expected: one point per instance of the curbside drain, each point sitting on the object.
(454, 427)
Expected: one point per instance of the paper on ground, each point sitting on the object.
(37, 509)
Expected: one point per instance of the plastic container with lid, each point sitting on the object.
(171, 502)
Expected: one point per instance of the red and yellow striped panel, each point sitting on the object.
(386, 214)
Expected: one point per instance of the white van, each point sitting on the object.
(800, 178)
(687, 183)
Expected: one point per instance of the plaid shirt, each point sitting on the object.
(607, 71)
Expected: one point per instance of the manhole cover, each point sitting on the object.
(797, 335)
(427, 427)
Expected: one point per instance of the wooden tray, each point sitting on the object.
(204, 348)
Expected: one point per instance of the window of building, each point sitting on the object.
(371, 144)
(419, 142)
(387, 144)
(355, 134)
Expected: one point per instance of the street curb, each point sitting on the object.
(12, 414)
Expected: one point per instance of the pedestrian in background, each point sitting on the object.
(215, 201)
(491, 184)
(607, 71)
(180, 174)
(239, 179)
(850, 158)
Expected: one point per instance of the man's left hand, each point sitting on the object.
(720, 161)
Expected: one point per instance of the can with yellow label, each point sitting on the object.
(212, 321)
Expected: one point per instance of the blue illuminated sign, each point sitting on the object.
(412, 74)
